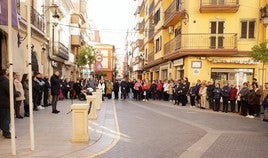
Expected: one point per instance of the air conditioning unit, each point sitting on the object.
(170, 29)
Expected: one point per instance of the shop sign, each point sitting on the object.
(99, 66)
(178, 62)
(236, 61)
(99, 58)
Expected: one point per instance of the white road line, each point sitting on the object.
(116, 139)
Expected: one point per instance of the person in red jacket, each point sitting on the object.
(159, 89)
(145, 88)
(232, 96)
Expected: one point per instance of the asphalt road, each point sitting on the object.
(159, 129)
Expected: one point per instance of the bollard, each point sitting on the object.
(98, 95)
(100, 91)
(92, 99)
(80, 123)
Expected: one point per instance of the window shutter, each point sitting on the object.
(243, 29)
(221, 27)
(160, 42)
(251, 28)
(213, 27)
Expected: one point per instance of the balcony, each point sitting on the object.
(37, 20)
(61, 50)
(75, 40)
(140, 26)
(172, 45)
(225, 6)
(151, 9)
(150, 57)
(139, 43)
(201, 44)
(151, 32)
(173, 14)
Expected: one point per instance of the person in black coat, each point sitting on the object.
(55, 90)
(116, 89)
(5, 104)
(46, 90)
(36, 91)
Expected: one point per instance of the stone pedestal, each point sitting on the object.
(93, 113)
(100, 91)
(80, 123)
(98, 99)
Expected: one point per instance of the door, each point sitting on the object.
(216, 38)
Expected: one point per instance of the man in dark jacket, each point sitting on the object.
(55, 90)
(46, 90)
(4, 104)
(116, 89)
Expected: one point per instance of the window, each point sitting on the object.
(248, 29)
(158, 43)
(157, 17)
(216, 39)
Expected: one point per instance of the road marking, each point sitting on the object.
(199, 147)
(116, 139)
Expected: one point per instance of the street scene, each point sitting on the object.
(143, 129)
(133, 78)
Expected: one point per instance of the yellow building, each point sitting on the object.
(206, 40)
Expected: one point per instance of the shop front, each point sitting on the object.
(235, 70)
(233, 76)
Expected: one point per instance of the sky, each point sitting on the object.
(113, 18)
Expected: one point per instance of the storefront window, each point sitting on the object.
(233, 76)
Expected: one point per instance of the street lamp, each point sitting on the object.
(264, 14)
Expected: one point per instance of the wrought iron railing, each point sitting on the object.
(175, 6)
(150, 57)
(201, 41)
(218, 2)
(151, 8)
(37, 20)
(18, 6)
(61, 50)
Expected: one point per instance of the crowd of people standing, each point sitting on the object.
(245, 99)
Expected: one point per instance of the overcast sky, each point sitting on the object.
(112, 18)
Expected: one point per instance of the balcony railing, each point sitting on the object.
(61, 50)
(219, 6)
(139, 43)
(140, 26)
(201, 41)
(76, 40)
(150, 57)
(173, 13)
(151, 31)
(172, 45)
(18, 6)
(151, 8)
(37, 20)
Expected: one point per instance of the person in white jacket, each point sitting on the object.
(203, 94)
(21, 97)
(101, 86)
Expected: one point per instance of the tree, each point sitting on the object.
(260, 52)
(86, 56)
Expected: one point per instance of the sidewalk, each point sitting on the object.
(53, 134)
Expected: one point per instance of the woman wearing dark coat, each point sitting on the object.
(55, 90)
(25, 86)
